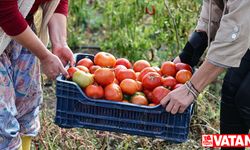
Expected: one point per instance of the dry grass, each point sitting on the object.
(52, 137)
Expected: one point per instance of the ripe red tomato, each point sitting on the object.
(183, 76)
(83, 68)
(126, 74)
(177, 86)
(144, 72)
(168, 68)
(139, 100)
(93, 68)
(94, 91)
(151, 80)
(104, 59)
(124, 62)
(125, 101)
(129, 86)
(159, 93)
(85, 62)
(139, 85)
(104, 76)
(113, 92)
(151, 104)
(71, 71)
(169, 82)
(148, 94)
(116, 81)
(118, 68)
(180, 66)
(140, 64)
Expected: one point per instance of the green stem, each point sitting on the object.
(174, 22)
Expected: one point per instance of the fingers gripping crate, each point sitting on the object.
(76, 110)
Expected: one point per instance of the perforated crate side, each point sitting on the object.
(74, 109)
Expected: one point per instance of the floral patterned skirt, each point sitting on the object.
(20, 95)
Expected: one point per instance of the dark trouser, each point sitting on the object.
(235, 101)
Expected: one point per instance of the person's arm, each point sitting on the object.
(231, 43)
(13, 23)
(178, 100)
(51, 64)
(58, 34)
(198, 40)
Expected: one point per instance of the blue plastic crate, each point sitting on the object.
(75, 110)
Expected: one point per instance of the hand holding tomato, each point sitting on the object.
(177, 100)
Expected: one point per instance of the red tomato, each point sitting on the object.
(118, 68)
(148, 94)
(151, 13)
(83, 68)
(183, 76)
(116, 81)
(168, 68)
(71, 71)
(139, 84)
(140, 64)
(104, 76)
(126, 74)
(85, 62)
(151, 80)
(113, 92)
(151, 104)
(169, 82)
(124, 62)
(93, 68)
(125, 101)
(159, 93)
(104, 59)
(94, 91)
(139, 100)
(183, 66)
(129, 86)
(144, 72)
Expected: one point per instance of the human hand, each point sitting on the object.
(64, 53)
(177, 100)
(177, 60)
(52, 66)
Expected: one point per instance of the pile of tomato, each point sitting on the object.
(119, 80)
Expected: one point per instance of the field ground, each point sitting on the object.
(53, 137)
(125, 30)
